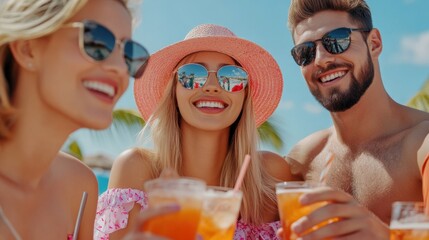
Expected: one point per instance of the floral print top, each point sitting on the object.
(115, 204)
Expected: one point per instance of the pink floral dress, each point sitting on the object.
(115, 204)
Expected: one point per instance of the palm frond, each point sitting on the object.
(74, 149)
(421, 99)
(127, 123)
(270, 135)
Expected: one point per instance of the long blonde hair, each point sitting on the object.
(29, 19)
(258, 185)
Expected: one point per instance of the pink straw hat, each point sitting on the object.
(265, 78)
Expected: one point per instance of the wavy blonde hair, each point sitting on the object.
(258, 185)
(29, 19)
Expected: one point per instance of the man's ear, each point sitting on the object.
(375, 44)
(23, 53)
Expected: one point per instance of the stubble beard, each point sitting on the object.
(339, 101)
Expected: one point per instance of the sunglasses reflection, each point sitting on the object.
(230, 78)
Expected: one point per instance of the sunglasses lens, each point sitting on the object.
(304, 53)
(337, 41)
(232, 78)
(98, 41)
(192, 76)
(136, 57)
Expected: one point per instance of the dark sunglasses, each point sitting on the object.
(230, 77)
(97, 42)
(335, 42)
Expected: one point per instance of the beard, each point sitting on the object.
(339, 101)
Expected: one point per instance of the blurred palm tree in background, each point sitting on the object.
(421, 99)
(127, 122)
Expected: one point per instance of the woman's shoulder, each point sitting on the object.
(131, 168)
(276, 165)
(67, 166)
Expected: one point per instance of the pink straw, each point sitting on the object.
(242, 172)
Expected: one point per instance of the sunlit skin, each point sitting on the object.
(40, 188)
(209, 118)
(378, 144)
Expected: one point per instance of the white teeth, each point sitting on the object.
(100, 87)
(208, 104)
(332, 76)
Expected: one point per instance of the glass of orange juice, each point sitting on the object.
(290, 210)
(186, 192)
(409, 221)
(220, 212)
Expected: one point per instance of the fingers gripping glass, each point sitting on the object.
(335, 42)
(230, 77)
(97, 42)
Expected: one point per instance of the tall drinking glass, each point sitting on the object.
(409, 221)
(290, 210)
(220, 212)
(186, 192)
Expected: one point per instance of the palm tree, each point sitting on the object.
(127, 121)
(421, 99)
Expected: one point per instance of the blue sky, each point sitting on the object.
(404, 26)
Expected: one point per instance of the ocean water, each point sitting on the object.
(102, 178)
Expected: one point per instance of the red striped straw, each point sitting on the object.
(325, 170)
(242, 172)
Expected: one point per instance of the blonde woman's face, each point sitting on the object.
(74, 85)
(209, 107)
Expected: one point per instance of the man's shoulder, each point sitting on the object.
(307, 149)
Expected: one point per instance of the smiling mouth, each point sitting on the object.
(331, 77)
(210, 104)
(99, 87)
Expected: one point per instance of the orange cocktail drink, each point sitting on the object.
(409, 221)
(220, 212)
(290, 210)
(189, 194)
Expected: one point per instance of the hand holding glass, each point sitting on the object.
(186, 192)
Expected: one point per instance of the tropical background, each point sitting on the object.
(404, 25)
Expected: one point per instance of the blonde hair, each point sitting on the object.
(29, 19)
(300, 10)
(258, 185)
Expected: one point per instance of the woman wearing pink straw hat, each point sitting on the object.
(203, 99)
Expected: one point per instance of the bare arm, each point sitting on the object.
(130, 170)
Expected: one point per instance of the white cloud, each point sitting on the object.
(312, 108)
(286, 105)
(415, 49)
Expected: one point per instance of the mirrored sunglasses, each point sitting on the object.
(98, 42)
(230, 77)
(335, 42)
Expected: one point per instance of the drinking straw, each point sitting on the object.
(79, 215)
(242, 172)
(328, 163)
(9, 225)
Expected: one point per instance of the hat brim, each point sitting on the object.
(265, 77)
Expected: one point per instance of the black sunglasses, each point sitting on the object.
(335, 42)
(230, 77)
(97, 42)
